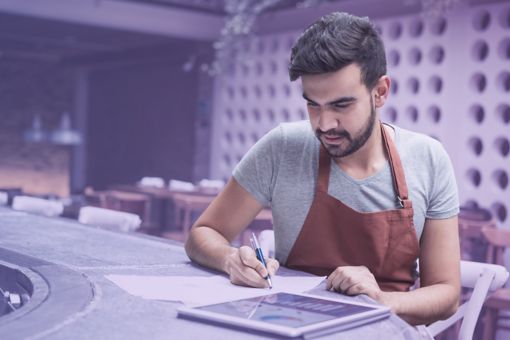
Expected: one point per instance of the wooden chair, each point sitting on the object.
(498, 240)
(471, 222)
(186, 206)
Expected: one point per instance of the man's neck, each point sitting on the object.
(368, 160)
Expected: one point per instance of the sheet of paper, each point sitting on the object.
(197, 290)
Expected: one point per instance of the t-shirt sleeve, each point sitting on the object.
(444, 198)
(257, 170)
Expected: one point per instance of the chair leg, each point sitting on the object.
(490, 320)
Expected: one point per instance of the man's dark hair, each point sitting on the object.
(337, 40)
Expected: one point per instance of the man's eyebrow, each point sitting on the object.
(341, 100)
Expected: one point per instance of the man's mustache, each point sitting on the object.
(333, 133)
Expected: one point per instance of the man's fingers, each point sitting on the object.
(272, 266)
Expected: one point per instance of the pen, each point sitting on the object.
(260, 256)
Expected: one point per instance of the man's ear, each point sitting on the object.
(381, 91)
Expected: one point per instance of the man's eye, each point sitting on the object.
(311, 104)
(338, 106)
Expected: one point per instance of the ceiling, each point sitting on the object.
(55, 31)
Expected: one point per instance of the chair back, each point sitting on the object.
(472, 220)
(109, 219)
(38, 206)
(482, 278)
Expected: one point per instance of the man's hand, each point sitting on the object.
(245, 269)
(354, 280)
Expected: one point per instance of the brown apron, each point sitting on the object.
(335, 235)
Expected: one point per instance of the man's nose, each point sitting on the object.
(327, 121)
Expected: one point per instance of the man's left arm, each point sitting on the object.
(438, 296)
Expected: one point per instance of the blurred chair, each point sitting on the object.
(153, 182)
(499, 301)
(267, 243)
(177, 185)
(472, 219)
(186, 206)
(38, 206)
(109, 219)
(482, 278)
(4, 198)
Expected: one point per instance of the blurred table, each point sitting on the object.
(185, 205)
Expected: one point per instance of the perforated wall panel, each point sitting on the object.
(451, 80)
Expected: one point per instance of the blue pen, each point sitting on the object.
(260, 256)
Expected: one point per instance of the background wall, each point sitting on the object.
(450, 81)
(27, 89)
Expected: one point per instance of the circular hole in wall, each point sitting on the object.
(480, 50)
(243, 115)
(504, 18)
(438, 26)
(416, 28)
(475, 145)
(230, 115)
(502, 146)
(243, 91)
(414, 56)
(301, 114)
(245, 69)
(413, 85)
(436, 54)
(500, 179)
(391, 114)
(412, 113)
(273, 66)
(477, 113)
(285, 115)
(504, 49)
(434, 113)
(478, 82)
(481, 20)
(227, 160)
(394, 57)
(435, 84)
(286, 90)
(474, 177)
(228, 138)
(254, 137)
(239, 157)
(241, 137)
(503, 113)
(394, 86)
(230, 92)
(271, 115)
(271, 91)
(499, 210)
(504, 81)
(256, 115)
(395, 30)
(435, 137)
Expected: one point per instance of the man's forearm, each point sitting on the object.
(423, 305)
(208, 247)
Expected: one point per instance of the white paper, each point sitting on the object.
(198, 290)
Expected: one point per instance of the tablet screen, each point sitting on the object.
(286, 309)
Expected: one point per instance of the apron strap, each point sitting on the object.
(324, 169)
(397, 170)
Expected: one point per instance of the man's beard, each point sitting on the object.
(354, 144)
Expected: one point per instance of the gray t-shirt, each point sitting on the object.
(280, 171)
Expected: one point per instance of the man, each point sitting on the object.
(351, 198)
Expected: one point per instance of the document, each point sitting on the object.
(198, 290)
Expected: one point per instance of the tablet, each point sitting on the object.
(290, 315)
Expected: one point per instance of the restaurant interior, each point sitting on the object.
(130, 115)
